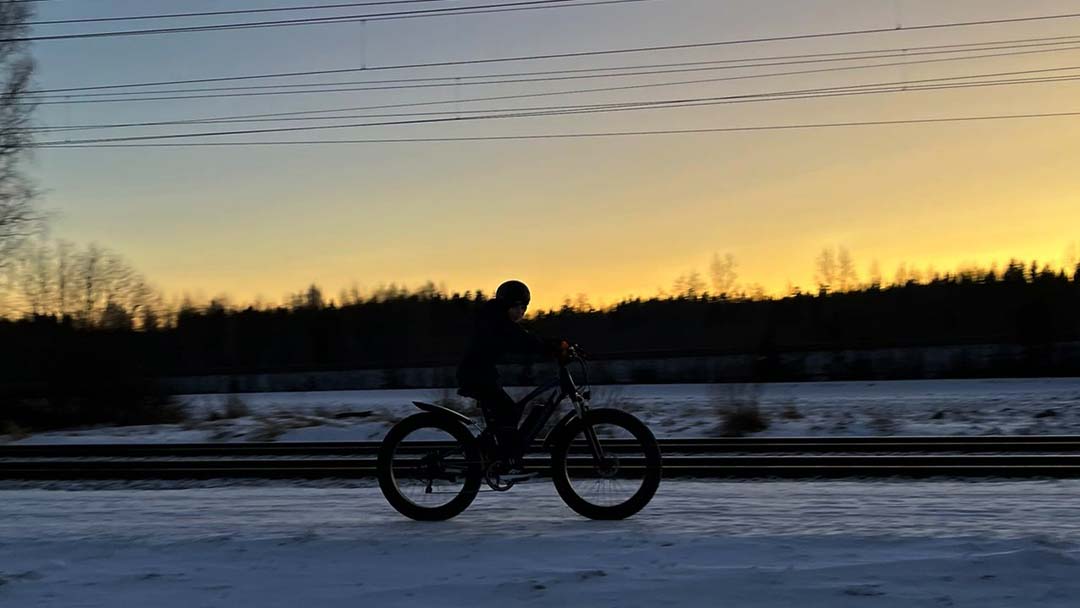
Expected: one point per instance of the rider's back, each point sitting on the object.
(493, 336)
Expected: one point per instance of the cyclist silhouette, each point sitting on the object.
(497, 332)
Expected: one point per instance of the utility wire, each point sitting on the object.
(240, 117)
(627, 87)
(248, 11)
(501, 7)
(578, 54)
(133, 96)
(560, 109)
(506, 7)
(568, 74)
(874, 88)
(912, 121)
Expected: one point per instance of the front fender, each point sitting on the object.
(559, 428)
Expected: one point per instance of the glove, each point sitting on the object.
(557, 348)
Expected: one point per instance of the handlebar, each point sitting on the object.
(571, 352)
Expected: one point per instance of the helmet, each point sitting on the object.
(513, 293)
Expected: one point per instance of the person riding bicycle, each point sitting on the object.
(497, 331)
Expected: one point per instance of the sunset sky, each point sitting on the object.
(607, 216)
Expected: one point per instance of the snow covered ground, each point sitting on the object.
(807, 544)
(986, 544)
(920, 407)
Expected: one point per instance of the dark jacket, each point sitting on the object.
(493, 336)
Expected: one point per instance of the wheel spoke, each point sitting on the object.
(430, 479)
(605, 483)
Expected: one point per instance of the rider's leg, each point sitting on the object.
(502, 414)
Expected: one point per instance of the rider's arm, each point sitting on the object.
(521, 340)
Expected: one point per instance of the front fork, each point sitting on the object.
(590, 434)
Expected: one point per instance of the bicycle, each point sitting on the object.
(605, 463)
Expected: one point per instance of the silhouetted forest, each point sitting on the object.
(1021, 306)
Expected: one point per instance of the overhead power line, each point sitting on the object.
(559, 110)
(749, 128)
(421, 83)
(517, 58)
(607, 89)
(741, 63)
(891, 87)
(477, 9)
(248, 11)
(530, 5)
(388, 106)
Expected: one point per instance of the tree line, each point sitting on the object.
(1021, 305)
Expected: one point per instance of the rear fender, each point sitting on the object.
(444, 411)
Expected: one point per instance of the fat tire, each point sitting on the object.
(474, 473)
(560, 450)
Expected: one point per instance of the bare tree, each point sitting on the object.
(354, 294)
(756, 292)
(119, 282)
(689, 285)
(32, 270)
(723, 275)
(18, 217)
(88, 269)
(152, 309)
(901, 278)
(875, 274)
(313, 298)
(846, 275)
(65, 282)
(429, 291)
(94, 286)
(695, 285)
(1072, 256)
(582, 304)
(825, 271)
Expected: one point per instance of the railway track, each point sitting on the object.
(712, 445)
(731, 458)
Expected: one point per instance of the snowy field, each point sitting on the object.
(985, 544)
(919, 407)
(818, 544)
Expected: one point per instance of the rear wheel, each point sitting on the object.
(622, 481)
(429, 467)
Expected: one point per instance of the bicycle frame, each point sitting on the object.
(531, 426)
(562, 387)
(529, 429)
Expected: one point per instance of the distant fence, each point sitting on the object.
(986, 360)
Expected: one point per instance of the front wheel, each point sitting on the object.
(622, 481)
(429, 467)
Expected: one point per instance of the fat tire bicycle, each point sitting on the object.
(605, 463)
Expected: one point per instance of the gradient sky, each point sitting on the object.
(608, 217)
